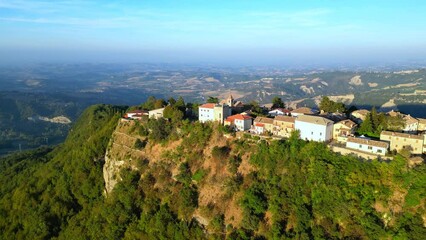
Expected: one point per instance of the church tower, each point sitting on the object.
(230, 100)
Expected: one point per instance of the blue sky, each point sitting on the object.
(214, 31)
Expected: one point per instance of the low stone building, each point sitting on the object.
(422, 124)
(283, 125)
(398, 141)
(411, 124)
(343, 129)
(262, 125)
(359, 116)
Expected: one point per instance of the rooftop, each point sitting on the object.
(237, 116)
(208, 105)
(366, 141)
(361, 111)
(285, 119)
(303, 110)
(348, 123)
(402, 135)
(410, 120)
(314, 120)
(138, 111)
(264, 120)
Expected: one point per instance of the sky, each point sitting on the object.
(230, 31)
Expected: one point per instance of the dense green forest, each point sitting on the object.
(296, 189)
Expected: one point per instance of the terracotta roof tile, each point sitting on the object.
(208, 105)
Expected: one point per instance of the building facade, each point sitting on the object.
(398, 141)
(213, 112)
(367, 145)
(314, 128)
(262, 125)
(343, 129)
(156, 113)
(240, 122)
(283, 126)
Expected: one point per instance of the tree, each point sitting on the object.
(277, 102)
(366, 127)
(255, 108)
(328, 105)
(149, 104)
(172, 101)
(159, 103)
(213, 100)
(180, 103)
(173, 113)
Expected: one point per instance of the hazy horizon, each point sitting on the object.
(220, 32)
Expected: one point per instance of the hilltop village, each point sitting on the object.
(343, 130)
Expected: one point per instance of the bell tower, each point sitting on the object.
(230, 100)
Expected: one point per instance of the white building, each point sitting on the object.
(367, 145)
(136, 114)
(279, 112)
(240, 122)
(213, 112)
(314, 128)
(156, 113)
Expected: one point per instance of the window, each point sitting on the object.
(360, 146)
(312, 133)
(379, 150)
(370, 147)
(320, 134)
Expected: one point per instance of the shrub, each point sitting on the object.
(220, 153)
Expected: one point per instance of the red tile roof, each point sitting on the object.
(259, 124)
(208, 105)
(137, 111)
(237, 116)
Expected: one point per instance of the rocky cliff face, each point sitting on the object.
(121, 153)
(163, 161)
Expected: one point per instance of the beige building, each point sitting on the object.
(156, 113)
(411, 124)
(422, 124)
(262, 125)
(283, 126)
(359, 115)
(398, 141)
(343, 129)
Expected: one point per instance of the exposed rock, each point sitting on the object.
(308, 90)
(356, 81)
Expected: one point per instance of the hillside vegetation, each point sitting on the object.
(187, 180)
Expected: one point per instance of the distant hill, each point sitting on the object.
(159, 179)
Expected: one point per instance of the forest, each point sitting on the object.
(294, 190)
